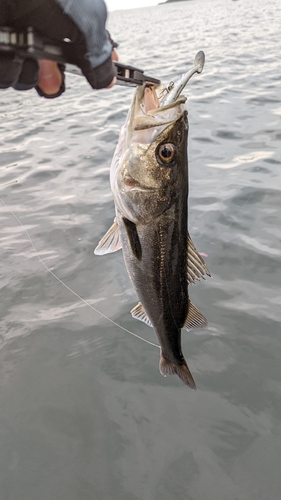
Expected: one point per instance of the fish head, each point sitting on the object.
(149, 168)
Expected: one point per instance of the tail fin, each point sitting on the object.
(182, 370)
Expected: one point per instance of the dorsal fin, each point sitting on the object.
(196, 267)
(194, 318)
(138, 312)
(111, 241)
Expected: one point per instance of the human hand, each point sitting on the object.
(89, 40)
(50, 77)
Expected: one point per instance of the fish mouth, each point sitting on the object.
(155, 106)
(132, 184)
(150, 99)
(169, 96)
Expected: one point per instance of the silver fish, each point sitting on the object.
(149, 182)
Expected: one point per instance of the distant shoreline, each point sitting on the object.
(170, 1)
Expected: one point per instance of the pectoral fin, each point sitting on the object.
(133, 238)
(138, 312)
(194, 318)
(196, 267)
(111, 242)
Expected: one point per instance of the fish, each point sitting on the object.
(149, 182)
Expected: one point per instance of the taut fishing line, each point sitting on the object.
(70, 289)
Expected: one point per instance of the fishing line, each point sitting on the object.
(70, 289)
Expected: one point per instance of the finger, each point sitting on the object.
(50, 78)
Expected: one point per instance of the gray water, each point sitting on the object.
(84, 411)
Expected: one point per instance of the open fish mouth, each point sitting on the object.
(150, 99)
(169, 95)
(155, 107)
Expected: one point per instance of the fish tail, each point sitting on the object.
(182, 370)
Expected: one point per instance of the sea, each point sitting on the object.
(84, 412)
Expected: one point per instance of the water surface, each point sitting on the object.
(84, 411)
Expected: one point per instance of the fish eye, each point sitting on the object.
(166, 153)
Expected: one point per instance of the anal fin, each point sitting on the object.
(194, 318)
